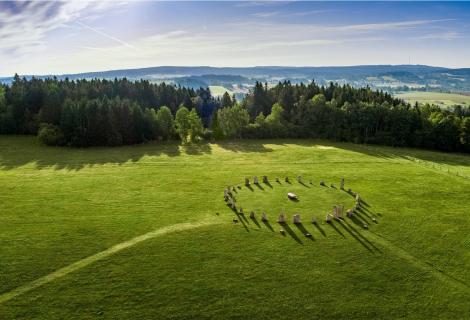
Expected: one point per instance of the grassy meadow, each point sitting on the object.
(439, 98)
(163, 245)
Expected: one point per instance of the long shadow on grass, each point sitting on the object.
(358, 220)
(268, 225)
(304, 231)
(259, 186)
(290, 232)
(255, 221)
(332, 225)
(268, 184)
(240, 217)
(341, 223)
(317, 225)
(361, 236)
(302, 183)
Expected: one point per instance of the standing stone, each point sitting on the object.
(340, 210)
(342, 184)
(264, 217)
(255, 180)
(277, 179)
(247, 182)
(241, 210)
(350, 213)
(322, 183)
(328, 218)
(252, 214)
(299, 179)
(265, 179)
(335, 212)
(282, 218)
(287, 179)
(314, 220)
(297, 218)
(358, 198)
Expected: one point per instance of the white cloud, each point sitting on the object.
(448, 36)
(25, 24)
(265, 14)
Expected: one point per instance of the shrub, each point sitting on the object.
(51, 135)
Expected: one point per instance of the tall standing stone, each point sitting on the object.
(264, 217)
(255, 180)
(296, 218)
(282, 218)
(328, 218)
(247, 182)
(252, 214)
(342, 184)
(265, 179)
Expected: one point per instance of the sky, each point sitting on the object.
(70, 37)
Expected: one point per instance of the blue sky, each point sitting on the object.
(68, 37)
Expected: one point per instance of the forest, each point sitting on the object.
(83, 113)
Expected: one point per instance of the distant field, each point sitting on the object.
(143, 232)
(219, 90)
(439, 98)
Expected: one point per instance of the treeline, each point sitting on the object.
(109, 113)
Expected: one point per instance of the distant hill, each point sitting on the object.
(387, 77)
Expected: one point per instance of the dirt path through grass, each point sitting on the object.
(99, 256)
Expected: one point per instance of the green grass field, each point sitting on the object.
(219, 91)
(143, 232)
(438, 98)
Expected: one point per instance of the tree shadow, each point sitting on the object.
(249, 187)
(290, 232)
(259, 186)
(387, 152)
(244, 146)
(197, 149)
(18, 151)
